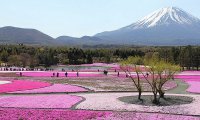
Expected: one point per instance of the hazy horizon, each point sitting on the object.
(78, 18)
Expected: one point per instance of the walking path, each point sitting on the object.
(180, 89)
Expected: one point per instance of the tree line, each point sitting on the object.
(188, 57)
(34, 56)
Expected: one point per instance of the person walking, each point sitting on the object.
(66, 74)
(53, 75)
(77, 74)
(118, 74)
(20, 74)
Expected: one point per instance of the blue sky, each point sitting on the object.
(82, 17)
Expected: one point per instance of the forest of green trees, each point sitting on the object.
(188, 57)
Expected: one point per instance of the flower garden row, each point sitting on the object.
(57, 114)
(60, 74)
(27, 86)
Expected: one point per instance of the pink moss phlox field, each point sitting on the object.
(192, 78)
(56, 114)
(169, 85)
(18, 85)
(194, 87)
(50, 114)
(61, 74)
(39, 101)
(188, 77)
(55, 88)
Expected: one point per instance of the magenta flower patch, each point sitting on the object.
(192, 78)
(18, 85)
(189, 77)
(61, 74)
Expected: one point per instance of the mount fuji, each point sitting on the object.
(166, 26)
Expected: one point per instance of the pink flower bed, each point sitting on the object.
(54, 88)
(39, 101)
(61, 74)
(194, 87)
(50, 114)
(56, 114)
(192, 78)
(18, 85)
(188, 77)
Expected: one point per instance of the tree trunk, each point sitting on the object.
(155, 100)
(161, 94)
(139, 94)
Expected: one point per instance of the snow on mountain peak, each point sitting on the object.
(165, 16)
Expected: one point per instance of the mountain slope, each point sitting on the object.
(167, 26)
(67, 40)
(14, 35)
(85, 40)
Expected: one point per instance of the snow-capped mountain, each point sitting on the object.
(166, 26)
(165, 16)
